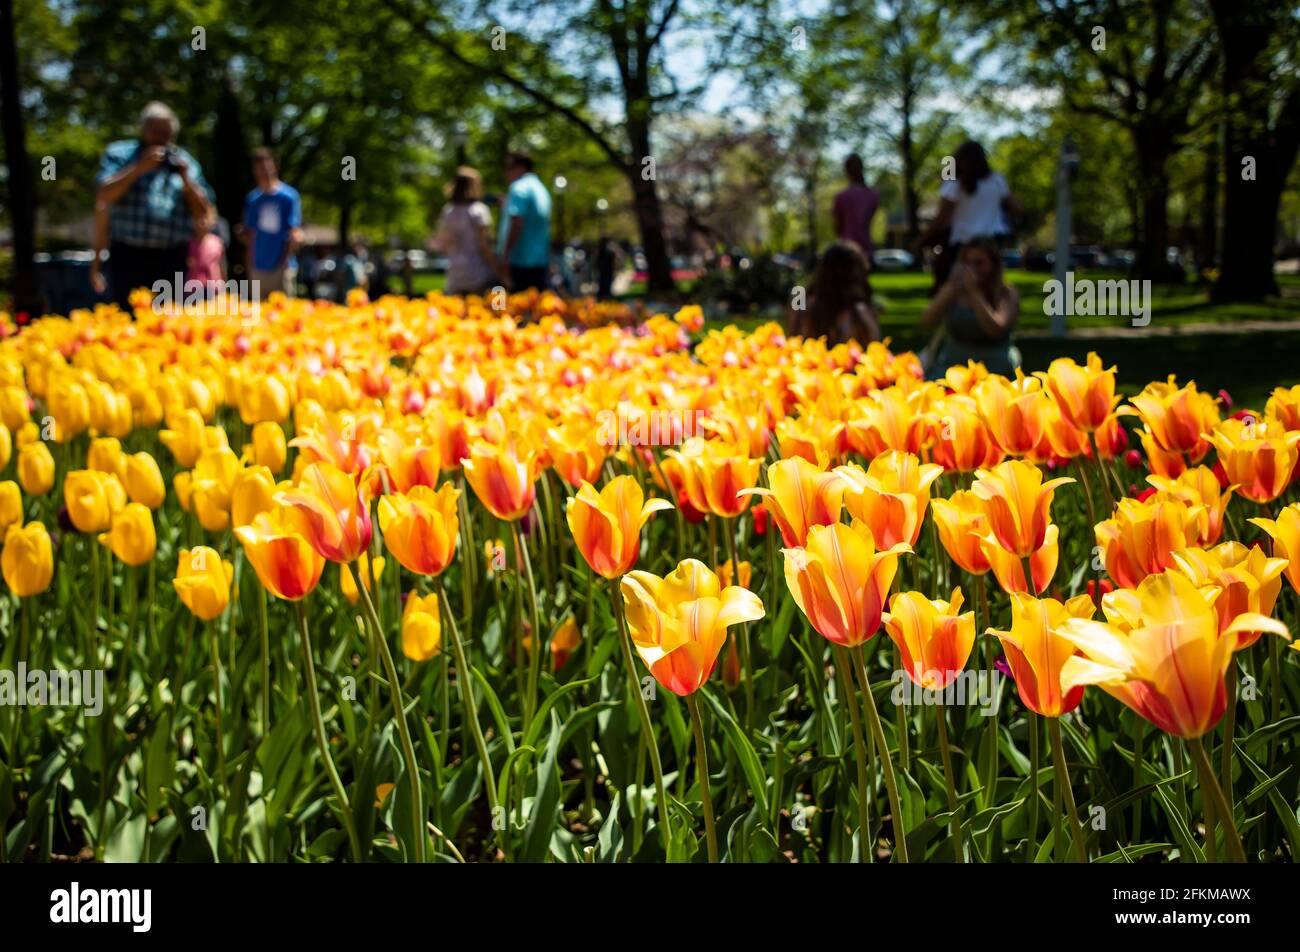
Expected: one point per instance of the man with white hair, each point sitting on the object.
(155, 194)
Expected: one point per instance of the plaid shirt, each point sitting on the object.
(153, 212)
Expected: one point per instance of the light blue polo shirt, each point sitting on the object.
(528, 199)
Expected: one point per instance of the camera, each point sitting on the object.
(172, 161)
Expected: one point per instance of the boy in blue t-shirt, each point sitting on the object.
(272, 228)
(524, 239)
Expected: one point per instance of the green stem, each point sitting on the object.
(878, 732)
(1031, 841)
(535, 653)
(643, 712)
(1229, 728)
(1210, 788)
(216, 687)
(1067, 793)
(745, 661)
(266, 660)
(945, 754)
(844, 667)
(322, 742)
(465, 678)
(702, 776)
(399, 714)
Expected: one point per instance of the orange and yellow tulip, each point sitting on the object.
(1161, 652)
(607, 524)
(714, 476)
(679, 622)
(1036, 652)
(336, 515)
(1084, 395)
(840, 581)
(1142, 537)
(1018, 504)
(891, 497)
(285, 562)
(800, 495)
(1258, 456)
(503, 476)
(1285, 533)
(1178, 420)
(421, 526)
(933, 640)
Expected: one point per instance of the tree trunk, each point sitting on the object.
(911, 202)
(1152, 146)
(649, 213)
(810, 194)
(1255, 135)
(231, 176)
(345, 225)
(1208, 240)
(22, 194)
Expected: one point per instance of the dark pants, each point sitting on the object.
(522, 279)
(131, 267)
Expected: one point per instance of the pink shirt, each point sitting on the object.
(205, 258)
(854, 208)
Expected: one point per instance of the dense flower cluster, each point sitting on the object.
(389, 436)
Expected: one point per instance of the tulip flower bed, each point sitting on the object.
(421, 581)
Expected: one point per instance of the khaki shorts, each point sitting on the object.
(281, 279)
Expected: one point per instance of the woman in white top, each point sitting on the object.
(975, 203)
(464, 236)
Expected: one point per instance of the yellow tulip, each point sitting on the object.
(421, 627)
(36, 469)
(144, 482)
(132, 538)
(105, 455)
(27, 559)
(251, 494)
(203, 582)
(92, 498)
(269, 448)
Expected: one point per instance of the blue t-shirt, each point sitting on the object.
(528, 199)
(272, 216)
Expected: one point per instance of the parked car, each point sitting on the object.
(892, 259)
(1012, 258)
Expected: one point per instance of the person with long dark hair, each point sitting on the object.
(839, 306)
(975, 203)
(978, 311)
